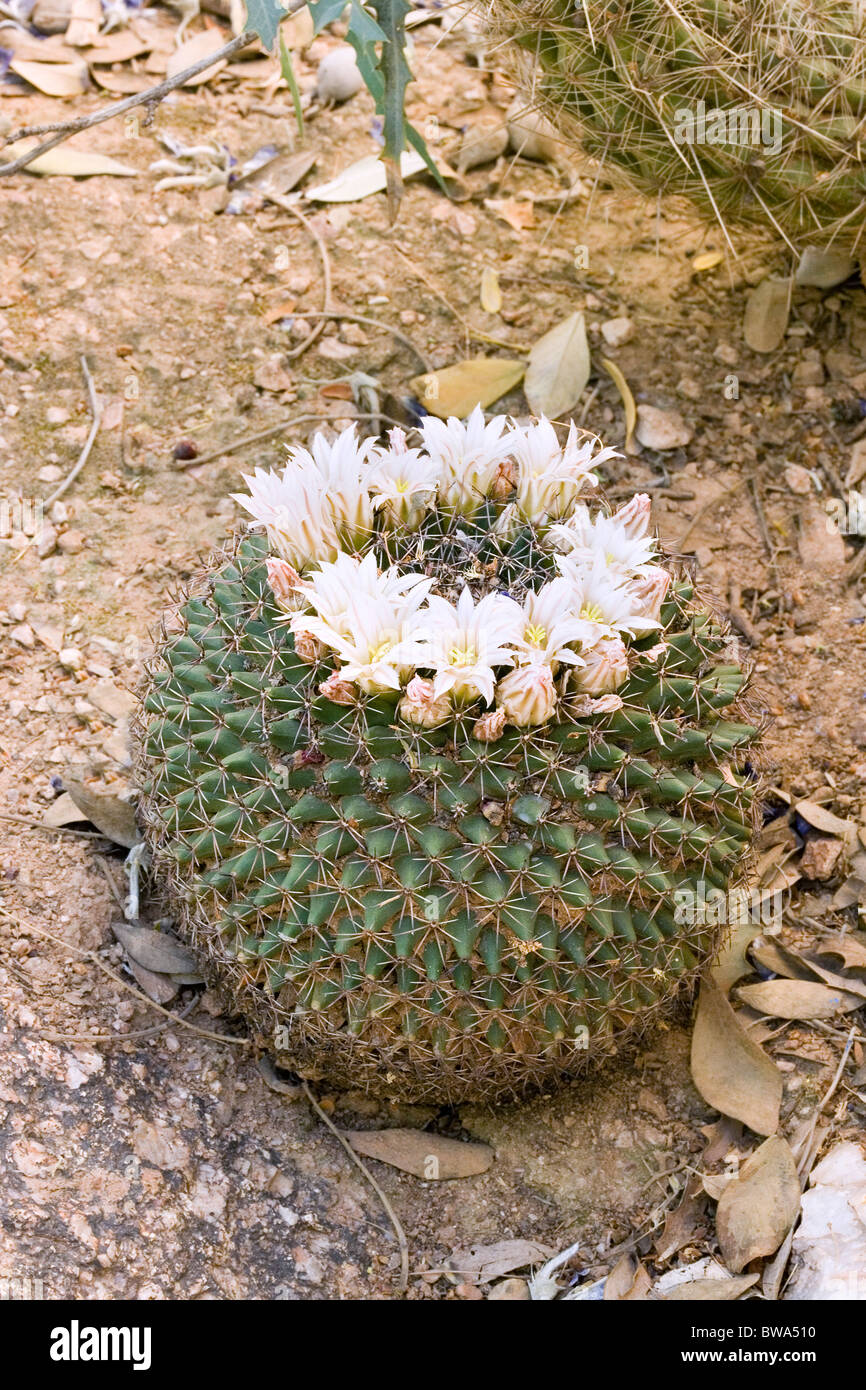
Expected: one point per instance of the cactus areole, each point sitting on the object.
(442, 763)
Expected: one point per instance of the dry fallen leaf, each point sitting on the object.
(476, 381)
(487, 1262)
(729, 1069)
(757, 1210)
(365, 176)
(851, 949)
(156, 950)
(54, 79)
(767, 310)
(707, 260)
(711, 1290)
(797, 999)
(824, 820)
(732, 963)
(681, 1225)
(491, 294)
(160, 988)
(114, 817)
(76, 164)
(192, 51)
(627, 1282)
(427, 1156)
(558, 369)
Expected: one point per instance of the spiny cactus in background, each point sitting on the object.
(432, 758)
(752, 109)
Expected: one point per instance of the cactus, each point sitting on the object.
(619, 79)
(445, 866)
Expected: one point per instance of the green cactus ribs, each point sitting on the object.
(415, 911)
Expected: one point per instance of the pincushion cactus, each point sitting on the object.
(429, 757)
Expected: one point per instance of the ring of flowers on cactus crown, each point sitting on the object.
(556, 651)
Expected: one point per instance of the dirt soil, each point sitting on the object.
(162, 1166)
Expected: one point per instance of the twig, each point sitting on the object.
(52, 829)
(371, 323)
(281, 202)
(151, 98)
(96, 411)
(269, 434)
(136, 1035)
(392, 1215)
(119, 980)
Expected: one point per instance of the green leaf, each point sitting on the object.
(396, 76)
(263, 18)
(288, 71)
(324, 12)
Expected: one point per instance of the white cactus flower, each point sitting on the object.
(372, 646)
(295, 513)
(606, 667)
(341, 468)
(330, 589)
(550, 475)
(403, 482)
(602, 601)
(468, 457)
(609, 538)
(527, 694)
(462, 644)
(550, 626)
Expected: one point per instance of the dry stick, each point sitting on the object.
(53, 829)
(152, 97)
(119, 980)
(279, 201)
(271, 431)
(371, 323)
(96, 411)
(392, 1215)
(136, 1035)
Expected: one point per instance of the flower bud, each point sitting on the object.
(527, 694)
(420, 706)
(337, 690)
(606, 667)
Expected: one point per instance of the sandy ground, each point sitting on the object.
(162, 1166)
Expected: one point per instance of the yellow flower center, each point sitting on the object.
(402, 485)
(591, 613)
(536, 634)
(462, 657)
(379, 653)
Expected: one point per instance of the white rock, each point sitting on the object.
(50, 473)
(617, 331)
(829, 1246)
(661, 429)
(23, 634)
(47, 543)
(338, 77)
(70, 658)
(799, 479)
(56, 415)
(17, 612)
